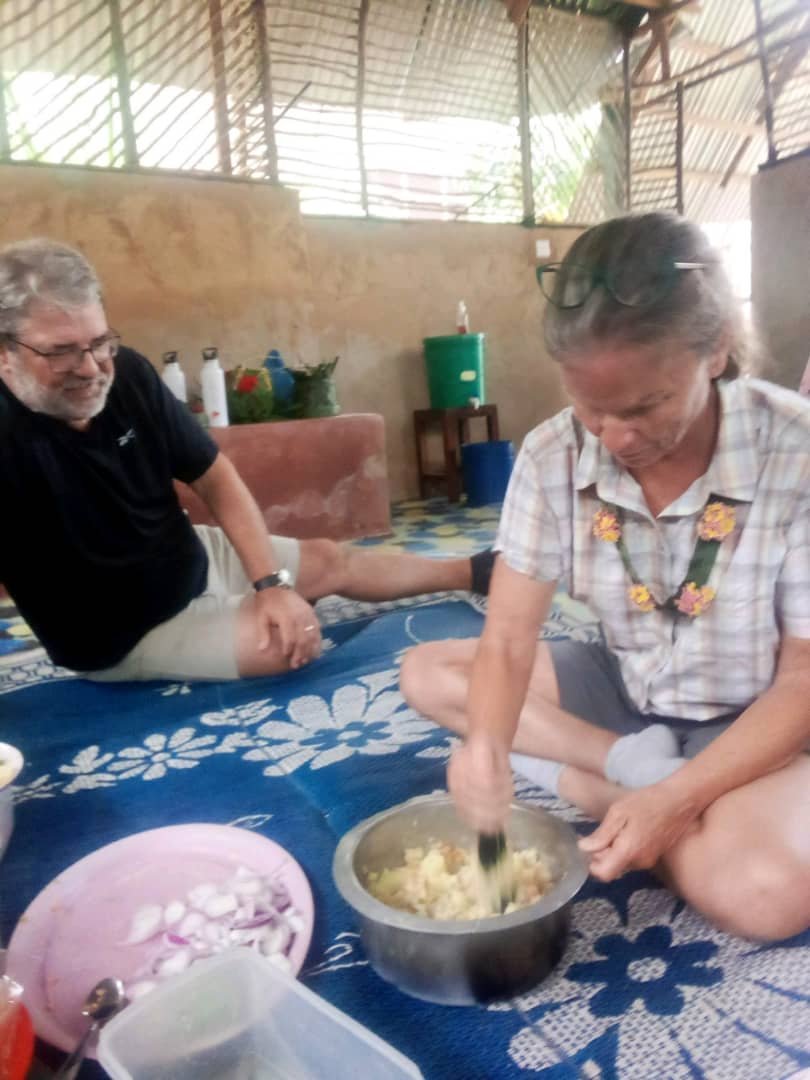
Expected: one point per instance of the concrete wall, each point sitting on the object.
(188, 262)
(780, 278)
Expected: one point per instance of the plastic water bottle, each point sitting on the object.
(280, 376)
(215, 398)
(173, 376)
(462, 318)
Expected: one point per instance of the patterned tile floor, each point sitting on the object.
(430, 527)
(438, 527)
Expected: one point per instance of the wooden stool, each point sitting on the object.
(455, 428)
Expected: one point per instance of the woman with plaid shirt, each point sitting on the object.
(673, 497)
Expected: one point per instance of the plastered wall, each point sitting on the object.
(188, 262)
(780, 278)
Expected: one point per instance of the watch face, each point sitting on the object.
(285, 578)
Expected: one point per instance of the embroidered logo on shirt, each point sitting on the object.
(127, 437)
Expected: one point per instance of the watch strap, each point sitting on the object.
(277, 580)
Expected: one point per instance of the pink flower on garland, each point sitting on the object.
(717, 521)
(694, 600)
(606, 526)
(641, 597)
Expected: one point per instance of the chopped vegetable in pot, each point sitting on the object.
(444, 882)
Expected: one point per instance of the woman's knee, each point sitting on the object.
(762, 895)
(417, 674)
(429, 676)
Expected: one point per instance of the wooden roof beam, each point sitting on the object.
(716, 123)
(665, 7)
(710, 176)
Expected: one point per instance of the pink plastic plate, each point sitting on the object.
(72, 933)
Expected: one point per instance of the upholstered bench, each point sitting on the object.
(324, 477)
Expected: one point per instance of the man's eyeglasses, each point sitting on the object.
(70, 357)
(634, 286)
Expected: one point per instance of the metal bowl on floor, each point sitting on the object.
(459, 962)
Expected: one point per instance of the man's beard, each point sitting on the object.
(58, 402)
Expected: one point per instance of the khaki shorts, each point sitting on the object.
(200, 641)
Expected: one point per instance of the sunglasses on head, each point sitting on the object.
(568, 285)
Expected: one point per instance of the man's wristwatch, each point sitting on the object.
(281, 579)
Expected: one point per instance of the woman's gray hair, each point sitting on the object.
(43, 271)
(697, 311)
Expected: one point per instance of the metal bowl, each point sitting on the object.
(459, 962)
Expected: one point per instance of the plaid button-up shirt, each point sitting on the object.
(674, 665)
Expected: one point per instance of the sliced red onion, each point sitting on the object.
(252, 886)
(217, 906)
(198, 896)
(175, 939)
(294, 921)
(173, 912)
(257, 920)
(146, 922)
(247, 911)
(174, 963)
(192, 924)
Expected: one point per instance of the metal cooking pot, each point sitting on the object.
(459, 962)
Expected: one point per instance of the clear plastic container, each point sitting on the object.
(237, 1017)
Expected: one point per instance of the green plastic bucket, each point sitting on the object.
(455, 370)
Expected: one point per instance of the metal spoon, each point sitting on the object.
(102, 1003)
(495, 860)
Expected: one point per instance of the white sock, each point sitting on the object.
(539, 770)
(653, 770)
(645, 758)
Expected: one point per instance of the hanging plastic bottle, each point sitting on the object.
(212, 379)
(462, 318)
(174, 377)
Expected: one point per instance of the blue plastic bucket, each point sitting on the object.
(486, 468)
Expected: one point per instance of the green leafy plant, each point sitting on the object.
(315, 393)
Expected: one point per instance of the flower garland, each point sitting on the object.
(693, 596)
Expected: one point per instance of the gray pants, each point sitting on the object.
(591, 687)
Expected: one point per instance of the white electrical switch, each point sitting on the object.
(542, 249)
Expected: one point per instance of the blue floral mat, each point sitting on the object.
(646, 988)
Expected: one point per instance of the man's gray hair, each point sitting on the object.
(698, 312)
(43, 271)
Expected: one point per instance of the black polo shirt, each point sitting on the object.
(94, 547)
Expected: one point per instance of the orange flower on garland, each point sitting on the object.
(717, 521)
(694, 599)
(641, 597)
(606, 526)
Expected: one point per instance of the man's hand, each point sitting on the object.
(637, 830)
(295, 622)
(480, 780)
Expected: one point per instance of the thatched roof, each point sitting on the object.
(476, 109)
